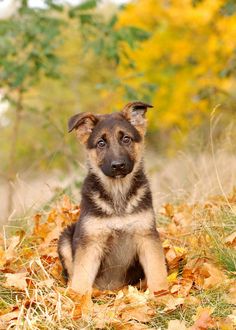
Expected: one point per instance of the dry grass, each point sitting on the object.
(195, 200)
(187, 177)
(194, 240)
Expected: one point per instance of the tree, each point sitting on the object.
(30, 59)
(189, 59)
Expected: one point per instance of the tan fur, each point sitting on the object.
(85, 129)
(136, 118)
(67, 254)
(86, 265)
(101, 204)
(152, 259)
(132, 223)
(134, 201)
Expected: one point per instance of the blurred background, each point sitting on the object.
(58, 58)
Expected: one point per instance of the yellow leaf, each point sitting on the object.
(172, 277)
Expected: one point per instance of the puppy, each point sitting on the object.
(115, 241)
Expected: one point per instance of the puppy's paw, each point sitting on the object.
(80, 287)
(158, 286)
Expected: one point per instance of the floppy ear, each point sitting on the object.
(134, 112)
(83, 123)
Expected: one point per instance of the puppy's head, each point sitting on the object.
(114, 141)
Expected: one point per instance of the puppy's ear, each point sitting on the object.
(134, 112)
(83, 123)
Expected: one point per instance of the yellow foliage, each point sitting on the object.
(189, 49)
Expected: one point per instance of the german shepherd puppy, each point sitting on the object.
(115, 241)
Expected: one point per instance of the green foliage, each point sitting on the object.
(28, 48)
(47, 58)
(103, 36)
(229, 8)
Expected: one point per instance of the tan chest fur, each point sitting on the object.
(130, 223)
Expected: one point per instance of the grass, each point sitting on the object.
(224, 226)
(192, 220)
(52, 306)
(215, 299)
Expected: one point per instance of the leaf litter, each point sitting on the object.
(33, 294)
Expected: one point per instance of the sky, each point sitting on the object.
(39, 2)
(8, 7)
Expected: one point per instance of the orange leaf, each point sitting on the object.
(204, 320)
(231, 239)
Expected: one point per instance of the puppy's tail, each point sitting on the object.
(64, 250)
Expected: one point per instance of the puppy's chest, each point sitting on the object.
(119, 254)
(129, 224)
(120, 249)
(120, 202)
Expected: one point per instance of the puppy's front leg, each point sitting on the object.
(152, 259)
(85, 267)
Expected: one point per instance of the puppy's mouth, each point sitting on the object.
(116, 174)
(120, 176)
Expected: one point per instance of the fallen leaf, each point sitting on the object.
(51, 236)
(231, 239)
(37, 219)
(183, 287)
(226, 324)
(17, 280)
(11, 251)
(168, 210)
(6, 318)
(172, 277)
(232, 317)
(173, 304)
(135, 296)
(176, 325)
(174, 255)
(231, 298)
(212, 276)
(134, 326)
(104, 315)
(203, 319)
(139, 313)
(2, 257)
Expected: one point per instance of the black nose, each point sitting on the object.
(118, 165)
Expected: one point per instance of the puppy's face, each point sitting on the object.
(114, 142)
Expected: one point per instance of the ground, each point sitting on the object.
(200, 246)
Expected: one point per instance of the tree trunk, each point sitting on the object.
(12, 168)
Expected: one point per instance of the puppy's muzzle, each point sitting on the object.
(119, 168)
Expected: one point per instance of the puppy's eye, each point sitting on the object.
(101, 144)
(126, 139)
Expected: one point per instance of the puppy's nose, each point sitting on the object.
(118, 165)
